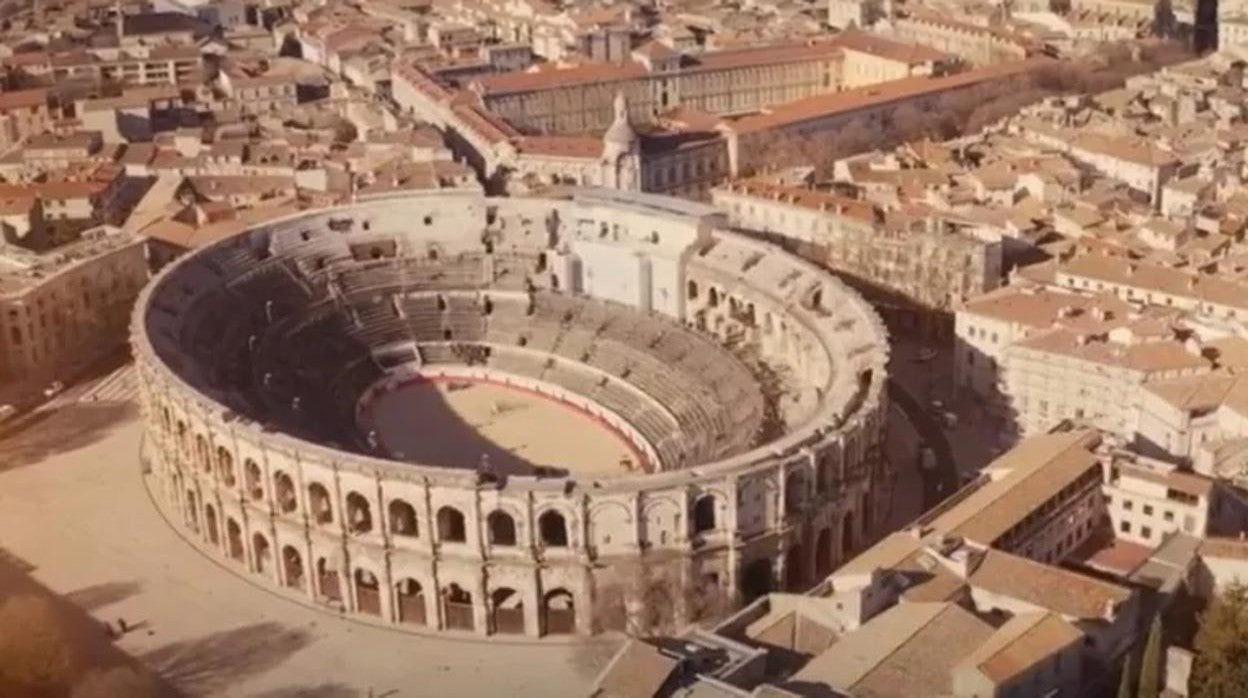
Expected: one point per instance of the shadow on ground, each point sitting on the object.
(325, 690)
(211, 664)
(98, 596)
(67, 429)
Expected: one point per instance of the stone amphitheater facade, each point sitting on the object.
(751, 383)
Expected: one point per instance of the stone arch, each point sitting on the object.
(403, 520)
(451, 528)
(552, 529)
(234, 540)
(262, 552)
(756, 579)
(703, 514)
(253, 479)
(367, 592)
(284, 491)
(359, 513)
(501, 528)
(656, 517)
(507, 611)
(202, 454)
(319, 504)
(795, 567)
(192, 510)
(225, 466)
(327, 579)
(182, 438)
(608, 518)
(292, 567)
(691, 289)
(210, 523)
(457, 607)
(558, 612)
(794, 491)
(410, 597)
(823, 553)
(847, 534)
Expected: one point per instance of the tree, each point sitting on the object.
(1220, 669)
(1150, 666)
(118, 681)
(1124, 680)
(35, 653)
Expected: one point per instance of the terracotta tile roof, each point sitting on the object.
(1021, 643)
(873, 96)
(560, 146)
(804, 198)
(1052, 588)
(639, 670)
(22, 99)
(911, 54)
(583, 74)
(1031, 474)
(1233, 548)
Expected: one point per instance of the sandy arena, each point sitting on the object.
(510, 429)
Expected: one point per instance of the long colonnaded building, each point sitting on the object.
(739, 389)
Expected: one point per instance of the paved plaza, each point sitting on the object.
(76, 511)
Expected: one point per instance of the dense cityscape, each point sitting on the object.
(703, 348)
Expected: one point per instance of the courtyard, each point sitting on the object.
(76, 514)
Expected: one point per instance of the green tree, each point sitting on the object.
(1220, 669)
(1124, 680)
(1150, 667)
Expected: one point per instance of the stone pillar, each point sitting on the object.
(480, 606)
(533, 605)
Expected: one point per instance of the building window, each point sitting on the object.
(1146, 533)
(1168, 515)
(1125, 526)
(1128, 505)
(1148, 509)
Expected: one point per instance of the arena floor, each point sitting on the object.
(463, 424)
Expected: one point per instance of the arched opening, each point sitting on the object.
(756, 579)
(183, 440)
(367, 593)
(359, 513)
(847, 534)
(507, 611)
(264, 555)
(327, 580)
(558, 612)
(292, 567)
(794, 493)
(318, 502)
(285, 489)
(192, 510)
(712, 297)
(411, 601)
(823, 553)
(457, 608)
(704, 514)
(225, 466)
(202, 454)
(234, 538)
(501, 528)
(402, 518)
(253, 479)
(866, 511)
(795, 568)
(553, 529)
(210, 522)
(692, 289)
(451, 525)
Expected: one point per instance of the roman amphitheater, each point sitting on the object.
(528, 416)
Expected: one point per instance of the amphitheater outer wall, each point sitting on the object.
(288, 512)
